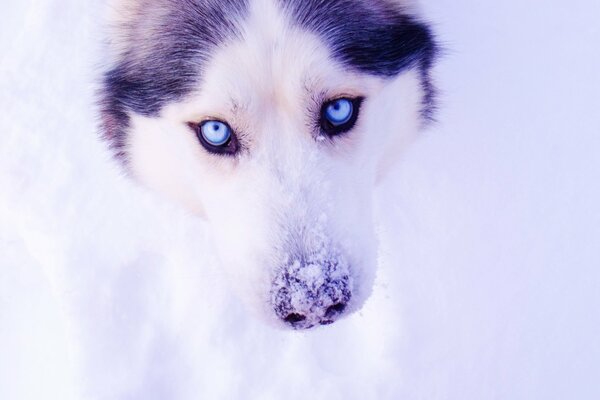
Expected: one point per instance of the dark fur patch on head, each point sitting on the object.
(167, 44)
(371, 36)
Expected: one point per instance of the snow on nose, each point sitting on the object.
(305, 294)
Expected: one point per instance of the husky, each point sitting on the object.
(273, 120)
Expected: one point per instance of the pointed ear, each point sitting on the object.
(121, 21)
(122, 11)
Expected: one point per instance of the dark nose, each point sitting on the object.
(303, 300)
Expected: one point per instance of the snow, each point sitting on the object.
(489, 281)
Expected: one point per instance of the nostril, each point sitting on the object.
(294, 318)
(335, 310)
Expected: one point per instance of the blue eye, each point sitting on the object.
(339, 112)
(216, 137)
(215, 133)
(339, 116)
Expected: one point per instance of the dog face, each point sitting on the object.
(273, 119)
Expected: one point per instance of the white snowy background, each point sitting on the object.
(489, 284)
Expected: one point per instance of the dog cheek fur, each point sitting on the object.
(395, 118)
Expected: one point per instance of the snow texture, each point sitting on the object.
(489, 282)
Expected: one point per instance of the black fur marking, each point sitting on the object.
(169, 41)
(371, 36)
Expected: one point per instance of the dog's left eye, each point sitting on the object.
(216, 133)
(339, 115)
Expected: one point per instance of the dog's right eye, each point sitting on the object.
(217, 137)
(338, 116)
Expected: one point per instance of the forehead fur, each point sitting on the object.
(161, 47)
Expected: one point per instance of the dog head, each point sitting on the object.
(273, 119)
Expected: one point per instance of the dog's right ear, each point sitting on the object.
(123, 11)
(122, 18)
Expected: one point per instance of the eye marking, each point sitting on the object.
(216, 136)
(339, 115)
